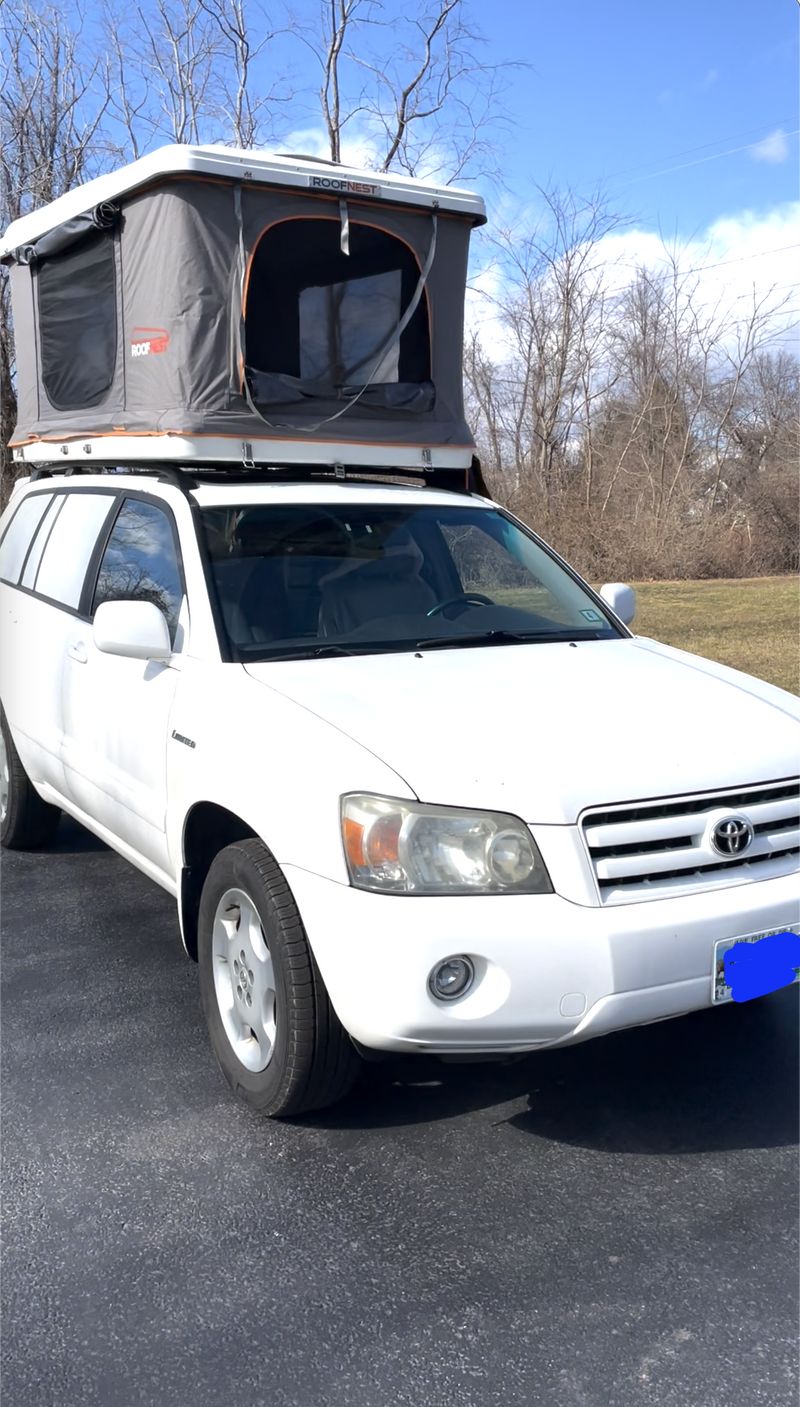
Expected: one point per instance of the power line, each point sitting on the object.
(690, 151)
(719, 263)
(684, 165)
(740, 259)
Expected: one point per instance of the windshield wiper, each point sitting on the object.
(318, 652)
(504, 637)
(433, 642)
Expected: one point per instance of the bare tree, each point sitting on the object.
(749, 339)
(552, 312)
(413, 88)
(767, 417)
(165, 63)
(193, 71)
(247, 106)
(645, 429)
(659, 347)
(756, 477)
(53, 99)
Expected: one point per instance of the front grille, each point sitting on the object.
(652, 849)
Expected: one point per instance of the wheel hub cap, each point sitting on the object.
(244, 979)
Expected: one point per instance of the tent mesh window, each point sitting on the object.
(78, 322)
(319, 322)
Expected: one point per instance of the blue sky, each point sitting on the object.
(646, 97)
(684, 112)
(619, 91)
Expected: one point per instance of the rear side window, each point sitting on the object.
(141, 563)
(78, 323)
(72, 539)
(19, 535)
(39, 543)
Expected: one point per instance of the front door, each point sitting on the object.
(117, 710)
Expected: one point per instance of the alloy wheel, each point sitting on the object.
(244, 979)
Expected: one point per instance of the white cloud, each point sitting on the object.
(708, 80)
(734, 257)
(358, 149)
(739, 257)
(773, 149)
(364, 148)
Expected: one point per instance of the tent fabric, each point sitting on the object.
(78, 323)
(22, 293)
(103, 217)
(272, 390)
(306, 298)
(201, 303)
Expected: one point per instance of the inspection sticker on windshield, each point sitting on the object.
(594, 616)
(756, 964)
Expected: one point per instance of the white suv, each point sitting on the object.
(414, 785)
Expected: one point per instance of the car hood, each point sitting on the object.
(543, 731)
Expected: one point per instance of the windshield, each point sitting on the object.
(299, 580)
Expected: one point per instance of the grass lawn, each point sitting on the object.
(752, 624)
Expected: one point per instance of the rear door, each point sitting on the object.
(116, 710)
(44, 558)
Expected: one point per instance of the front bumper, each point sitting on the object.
(547, 971)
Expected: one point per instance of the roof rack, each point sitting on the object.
(468, 480)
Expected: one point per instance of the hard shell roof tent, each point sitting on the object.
(210, 305)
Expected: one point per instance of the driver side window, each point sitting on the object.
(483, 565)
(141, 562)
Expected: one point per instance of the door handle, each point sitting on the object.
(77, 651)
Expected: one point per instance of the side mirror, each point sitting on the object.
(135, 629)
(621, 599)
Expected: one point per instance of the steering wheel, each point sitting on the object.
(471, 598)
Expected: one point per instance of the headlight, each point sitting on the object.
(403, 847)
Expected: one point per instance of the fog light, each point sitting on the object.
(451, 978)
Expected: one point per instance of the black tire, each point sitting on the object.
(313, 1062)
(27, 821)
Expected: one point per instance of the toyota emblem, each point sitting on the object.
(732, 836)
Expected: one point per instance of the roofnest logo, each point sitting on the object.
(343, 186)
(149, 341)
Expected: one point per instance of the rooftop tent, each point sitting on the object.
(205, 304)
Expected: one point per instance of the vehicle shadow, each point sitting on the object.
(72, 838)
(716, 1080)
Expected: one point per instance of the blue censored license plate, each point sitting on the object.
(756, 964)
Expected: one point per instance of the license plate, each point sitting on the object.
(767, 969)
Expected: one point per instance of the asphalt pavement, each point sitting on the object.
(610, 1225)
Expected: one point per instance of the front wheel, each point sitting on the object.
(25, 820)
(274, 1032)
